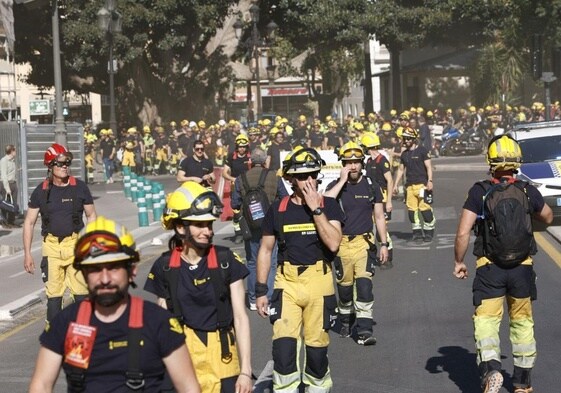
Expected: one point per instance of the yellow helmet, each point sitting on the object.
(472, 109)
(104, 241)
(172, 124)
(409, 132)
(302, 160)
(328, 118)
(302, 118)
(361, 114)
(109, 131)
(504, 153)
(370, 140)
(404, 116)
(191, 202)
(420, 110)
(103, 132)
(387, 126)
(430, 114)
(131, 130)
(201, 124)
(372, 116)
(274, 131)
(146, 129)
(266, 122)
(242, 140)
(358, 126)
(160, 130)
(254, 131)
(330, 124)
(184, 123)
(393, 112)
(350, 151)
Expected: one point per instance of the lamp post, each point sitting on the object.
(109, 20)
(255, 43)
(60, 126)
(271, 68)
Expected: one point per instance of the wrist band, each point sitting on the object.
(246, 375)
(261, 289)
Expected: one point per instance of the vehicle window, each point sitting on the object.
(541, 149)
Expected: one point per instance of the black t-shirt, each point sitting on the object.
(474, 200)
(316, 139)
(304, 247)
(192, 167)
(274, 151)
(60, 206)
(414, 162)
(238, 164)
(106, 145)
(194, 290)
(161, 334)
(376, 169)
(474, 203)
(358, 205)
(161, 141)
(333, 138)
(387, 139)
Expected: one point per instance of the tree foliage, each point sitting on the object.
(166, 66)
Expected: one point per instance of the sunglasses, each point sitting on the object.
(199, 149)
(304, 176)
(408, 139)
(60, 164)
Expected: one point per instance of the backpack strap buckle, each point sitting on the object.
(135, 380)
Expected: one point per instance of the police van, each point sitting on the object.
(541, 155)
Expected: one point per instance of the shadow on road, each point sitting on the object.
(460, 365)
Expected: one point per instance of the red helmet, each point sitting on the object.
(54, 152)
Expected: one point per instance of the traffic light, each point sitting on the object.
(537, 50)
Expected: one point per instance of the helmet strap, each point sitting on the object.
(188, 238)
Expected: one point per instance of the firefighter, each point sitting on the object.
(417, 168)
(494, 282)
(378, 169)
(307, 228)
(237, 163)
(208, 295)
(361, 200)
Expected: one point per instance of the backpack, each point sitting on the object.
(505, 223)
(255, 201)
(134, 377)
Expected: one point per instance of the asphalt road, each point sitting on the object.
(422, 313)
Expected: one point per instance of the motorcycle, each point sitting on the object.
(470, 142)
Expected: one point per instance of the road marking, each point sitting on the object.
(18, 274)
(113, 192)
(549, 248)
(19, 328)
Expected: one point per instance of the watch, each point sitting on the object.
(317, 212)
(384, 244)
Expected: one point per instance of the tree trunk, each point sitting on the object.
(325, 104)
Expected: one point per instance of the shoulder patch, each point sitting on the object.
(150, 276)
(387, 164)
(175, 326)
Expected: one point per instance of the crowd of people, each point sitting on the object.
(310, 255)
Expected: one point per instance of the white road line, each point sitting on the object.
(18, 274)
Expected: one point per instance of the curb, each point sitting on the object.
(9, 311)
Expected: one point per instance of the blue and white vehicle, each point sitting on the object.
(541, 154)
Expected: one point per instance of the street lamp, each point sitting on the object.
(271, 68)
(109, 20)
(255, 43)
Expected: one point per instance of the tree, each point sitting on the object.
(169, 65)
(329, 35)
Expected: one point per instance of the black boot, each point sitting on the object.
(521, 377)
(429, 234)
(54, 305)
(417, 236)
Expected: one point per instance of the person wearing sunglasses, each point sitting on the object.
(307, 228)
(416, 167)
(197, 168)
(62, 200)
(362, 202)
(112, 340)
(203, 285)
